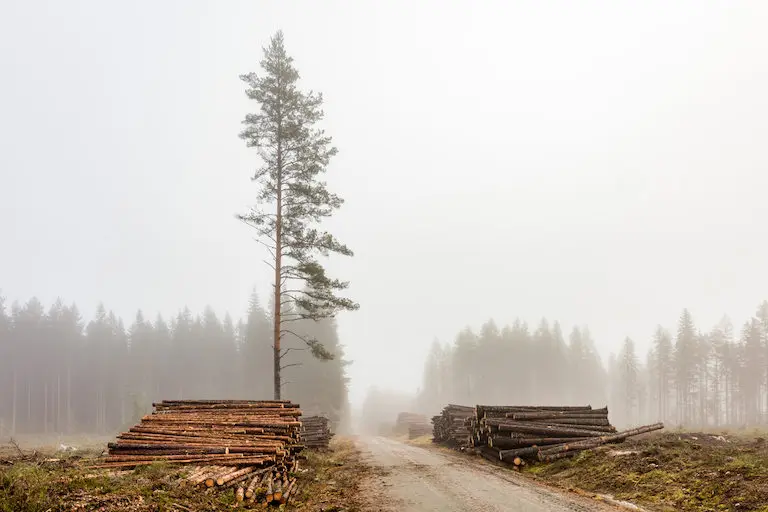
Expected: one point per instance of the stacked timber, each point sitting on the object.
(416, 430)
(516, 434)
(452, 426)
(408, 420)
(251, 446)
(316, 432)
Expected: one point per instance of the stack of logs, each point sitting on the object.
(416, 430)
(316, 432)
(451, 427)
(251, 446)
(514, 434)
(414, 424)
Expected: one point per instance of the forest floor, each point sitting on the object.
(42, 480)
(671, 471)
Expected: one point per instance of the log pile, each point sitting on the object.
(452, 426)
(416, 430)
(516, 434)
(251, 446)
(316, 432)
(408, 421)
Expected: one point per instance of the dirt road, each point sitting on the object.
(410, 478)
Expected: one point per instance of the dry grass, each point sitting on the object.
(672, 471)
(39, 483)
(331, 479)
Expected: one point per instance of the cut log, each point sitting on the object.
(518, 452)
(592, 443)
(507, 443)
(270, 491)
(277, 490)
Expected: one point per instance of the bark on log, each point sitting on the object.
(592, 443)
(549, 415)
(545, 431)
(518, 452)
(231, 476)
(252, 486)
(288, 491)
(270, 495)
(507, 443)
(206, 473)
(277, 490)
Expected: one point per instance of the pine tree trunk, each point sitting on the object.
(45, 408)
(29, 406)
(278, 263)
(58, 402)
(69, 398)
(13, 413)
(99, 412)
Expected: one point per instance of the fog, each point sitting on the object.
(599, 164)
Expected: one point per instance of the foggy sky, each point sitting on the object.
(599, 163)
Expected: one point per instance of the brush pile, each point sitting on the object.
(316, 432)
(249, 445)
(514, 434)
(452, 426)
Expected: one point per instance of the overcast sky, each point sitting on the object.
(600, 163)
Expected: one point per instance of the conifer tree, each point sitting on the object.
(663, 370)
(685, 362)
(752, 369)
(628, 376)
(292, 199)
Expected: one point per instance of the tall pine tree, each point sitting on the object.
(292, 199)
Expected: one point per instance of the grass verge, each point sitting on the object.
(331, 479)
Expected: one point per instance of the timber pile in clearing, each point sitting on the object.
(416, 430)
(316, 432)
(452, 426)
(409, 421)
(520, 434)
(251, 446)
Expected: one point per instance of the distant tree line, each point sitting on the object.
(60, 374)
(689, 377)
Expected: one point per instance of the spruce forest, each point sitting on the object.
(60, 373)
(691, 376)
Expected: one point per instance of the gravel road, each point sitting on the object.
(410, 478)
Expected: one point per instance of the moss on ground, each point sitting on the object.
(672, 471)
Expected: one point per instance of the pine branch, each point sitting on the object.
(285, 352)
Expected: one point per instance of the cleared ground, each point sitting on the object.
(412, 478)
(673, 471)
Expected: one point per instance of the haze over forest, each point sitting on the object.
(488, 170)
